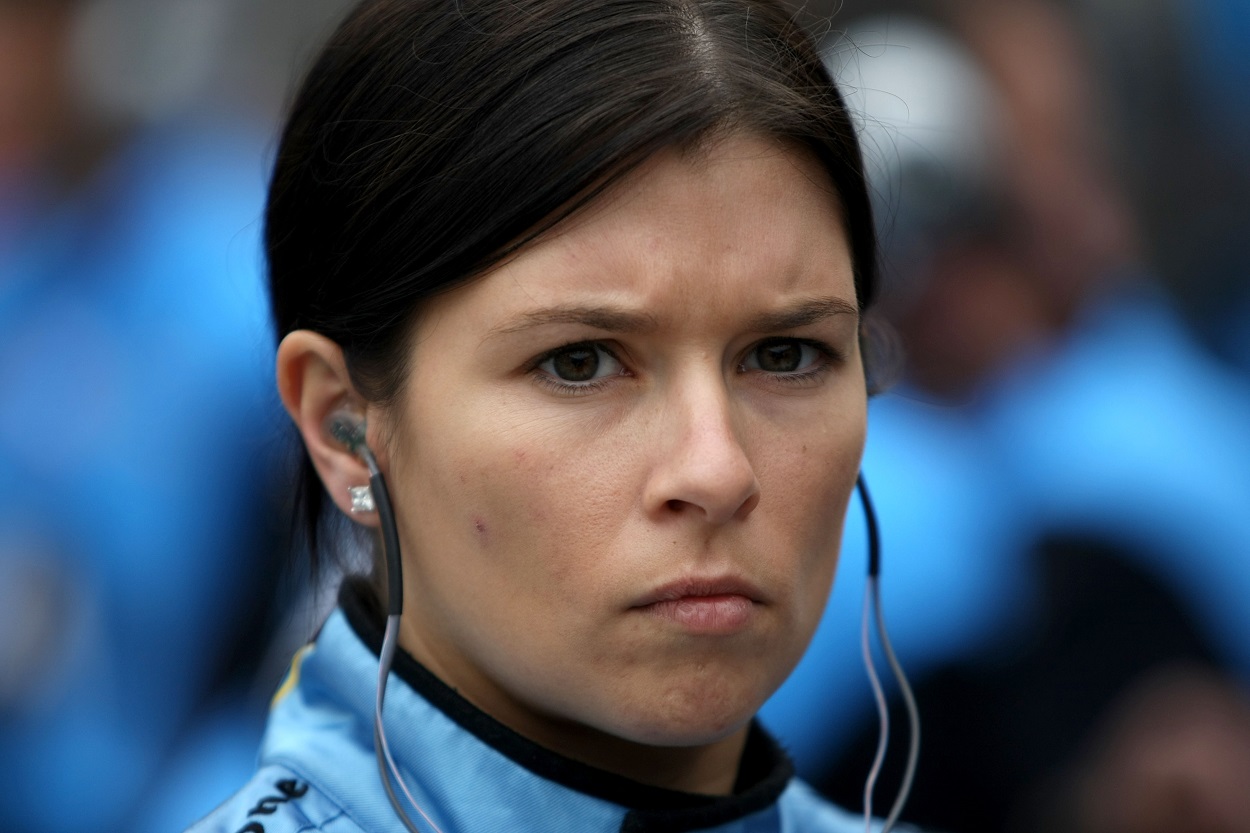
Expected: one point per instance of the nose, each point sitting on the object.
(701, 465)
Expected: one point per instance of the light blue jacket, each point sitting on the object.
(470, 773)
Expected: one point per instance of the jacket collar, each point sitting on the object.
(763, 776)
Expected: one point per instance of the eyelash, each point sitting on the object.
(828, 358)
(573, 388)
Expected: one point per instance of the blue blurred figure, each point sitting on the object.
(1050, 390)
(136, 460)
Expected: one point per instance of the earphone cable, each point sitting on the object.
(872, 598)
(379, 735)
(883, 714)
(390, 641)
(383, 749)
(913, 713)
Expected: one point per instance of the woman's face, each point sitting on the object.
(622, 459)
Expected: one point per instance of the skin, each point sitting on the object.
(715, 441)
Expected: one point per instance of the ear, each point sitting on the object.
(314, 383)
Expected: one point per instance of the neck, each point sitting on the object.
(708, 769)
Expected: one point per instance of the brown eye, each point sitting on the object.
(579, 365)
(791, 358)
(576, 364)
(779, 356)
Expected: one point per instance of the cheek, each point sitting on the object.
(805, 488)
(541, 499)
(811, 477)
(482, 530)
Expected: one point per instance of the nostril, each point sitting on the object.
(675, 505)
(748, 505)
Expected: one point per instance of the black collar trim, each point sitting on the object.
(765, 770)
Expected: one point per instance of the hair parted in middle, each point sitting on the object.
(433, 138)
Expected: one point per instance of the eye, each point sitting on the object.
(786, 357)
(578, 366)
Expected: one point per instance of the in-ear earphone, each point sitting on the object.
(349, 429)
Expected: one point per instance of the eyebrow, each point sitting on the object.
(802, 314)
(600, 318)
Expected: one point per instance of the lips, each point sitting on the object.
(712, 607)
(694, 588)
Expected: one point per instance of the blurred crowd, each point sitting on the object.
(1062, 466)
(142, 531)
(1063, 469)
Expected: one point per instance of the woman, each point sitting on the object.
(584, 281)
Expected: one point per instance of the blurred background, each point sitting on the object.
(1062, 468)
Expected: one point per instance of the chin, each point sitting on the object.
(690, 716)
(688, 735)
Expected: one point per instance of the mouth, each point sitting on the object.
(710, 607)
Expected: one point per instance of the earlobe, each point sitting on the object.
(314, 384)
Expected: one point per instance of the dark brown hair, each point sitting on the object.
(432, 138)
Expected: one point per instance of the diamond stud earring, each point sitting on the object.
(362, 499)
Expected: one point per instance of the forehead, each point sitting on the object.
(744, 225)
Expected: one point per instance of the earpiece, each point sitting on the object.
(348, 428)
